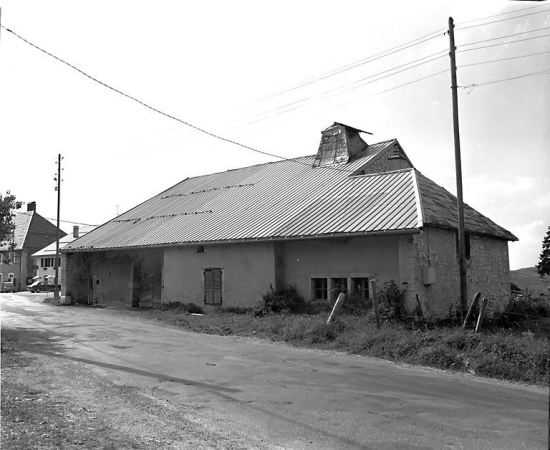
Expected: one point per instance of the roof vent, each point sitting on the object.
(339, 144)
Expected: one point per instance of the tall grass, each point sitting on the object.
(517, 357)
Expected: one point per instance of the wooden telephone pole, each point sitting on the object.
(58, 189)
(458, 166)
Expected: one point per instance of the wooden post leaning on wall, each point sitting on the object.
(374, 295)
(481, 314)
(471, 308)
(336, 309)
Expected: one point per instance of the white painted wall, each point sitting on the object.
(373, 257)
(248, 270)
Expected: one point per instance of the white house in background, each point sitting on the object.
(44, 259)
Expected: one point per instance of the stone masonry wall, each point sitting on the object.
(487, 272)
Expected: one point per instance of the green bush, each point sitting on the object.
(178, 307)
(282, 299)
(391, 301)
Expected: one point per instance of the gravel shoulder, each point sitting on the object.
(63, 404)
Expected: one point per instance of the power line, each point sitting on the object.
(388, 52)
(502, 20)
(502, 14)
(505, 79)
(358, 63)
(148, 106)
(503, 37)
(349, 86)
(503, 43)
(396, 87)
(504, 59)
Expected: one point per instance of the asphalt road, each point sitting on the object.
(288, 397)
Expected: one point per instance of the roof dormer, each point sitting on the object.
(339, 144)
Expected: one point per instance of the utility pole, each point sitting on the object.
(458, 166)
(58, 189)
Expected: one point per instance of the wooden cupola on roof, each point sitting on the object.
(339, 144)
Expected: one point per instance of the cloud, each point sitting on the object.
(520, 204)
(525, 253)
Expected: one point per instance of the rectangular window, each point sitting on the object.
(320, 288)
(338, 286)
(213, 286)
(199, 249)
(360, 288)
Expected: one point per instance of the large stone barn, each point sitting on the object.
(325, 223)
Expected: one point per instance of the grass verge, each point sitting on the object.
(511, 355)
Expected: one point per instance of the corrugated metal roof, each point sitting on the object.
(283, 200)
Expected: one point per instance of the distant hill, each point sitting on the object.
(529, 279)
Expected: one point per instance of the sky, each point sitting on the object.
(271, 75)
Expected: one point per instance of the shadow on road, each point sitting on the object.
(44, 342)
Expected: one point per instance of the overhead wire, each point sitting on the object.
(503, 43)
(394, 88)
(503, 37)
(458, 28)
(502, 14)
(342, 89)
(350, 86)
(505, 79)
(189, 124)
(503, 59)
(148, 106)
(350, 66)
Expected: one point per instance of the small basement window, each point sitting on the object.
(338, 286)
(360, 287)
(319, 287)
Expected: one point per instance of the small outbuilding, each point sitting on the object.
(326, 223)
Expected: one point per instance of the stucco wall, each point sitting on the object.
(487, 271)
(436, 248)
(247, 272)
(371, 257)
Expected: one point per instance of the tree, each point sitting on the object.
(8, 204)
(543, 267)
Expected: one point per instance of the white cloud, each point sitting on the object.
(526, 252)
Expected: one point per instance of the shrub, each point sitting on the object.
(354, 304)
(237, 310)
(282, 299)
(178, 306)
(391, 301)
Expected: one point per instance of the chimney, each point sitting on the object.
(76, 231)
(31, 206)
(339, 144)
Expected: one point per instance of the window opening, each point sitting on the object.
(360, 287)
(320, 288)
(338, 286)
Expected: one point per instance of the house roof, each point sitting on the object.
(50, 249)
(288, 199)
(31, 232)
